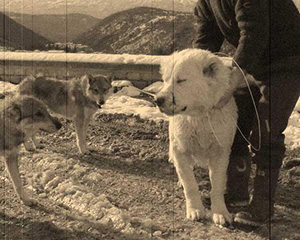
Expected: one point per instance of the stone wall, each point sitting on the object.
(15, 67)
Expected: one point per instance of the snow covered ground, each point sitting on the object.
(68, 181)
(6, 87)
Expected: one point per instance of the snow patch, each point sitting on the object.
(128, 105)
(6, 87)
(154, 88)
(79, 196)
(81, 57)
(129, 91)
(292, 132)
(121, 83)
(297, 107)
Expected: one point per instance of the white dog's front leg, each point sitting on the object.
(194, 207)
(218, 178)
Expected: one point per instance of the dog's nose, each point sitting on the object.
(57, 124)
(101, 102)
(159, 101)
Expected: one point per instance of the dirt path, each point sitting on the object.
(125, 189)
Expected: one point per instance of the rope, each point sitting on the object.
(255, 108)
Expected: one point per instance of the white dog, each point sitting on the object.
(200, 132)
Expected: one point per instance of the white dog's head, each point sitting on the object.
(194, 81)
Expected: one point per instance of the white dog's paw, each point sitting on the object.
(195, 214)
(222, 219)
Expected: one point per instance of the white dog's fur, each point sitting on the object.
(200, 133)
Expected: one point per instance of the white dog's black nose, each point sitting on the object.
(160, 101)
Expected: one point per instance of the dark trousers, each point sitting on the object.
(275, 102)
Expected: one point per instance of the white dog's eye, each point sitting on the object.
(181, 80)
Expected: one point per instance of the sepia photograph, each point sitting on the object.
(149, 119)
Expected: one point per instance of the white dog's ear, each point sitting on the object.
(210, 69)
(164, 64)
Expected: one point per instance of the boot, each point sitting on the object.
(238, 174)
(261, 207)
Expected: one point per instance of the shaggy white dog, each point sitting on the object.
(200, 132)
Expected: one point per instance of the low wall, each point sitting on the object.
(141, 70)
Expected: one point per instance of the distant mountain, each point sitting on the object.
(14, 35)
(141, 30)
(57, 28)
(96, 8)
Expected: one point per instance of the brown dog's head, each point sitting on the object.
(33, 116)
(98, 88)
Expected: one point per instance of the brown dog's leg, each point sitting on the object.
(11, 163)
(36, 141)
(29, 144)
(80, 134)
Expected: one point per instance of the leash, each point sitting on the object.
(147, 93)
(212, 129)
(255, 108)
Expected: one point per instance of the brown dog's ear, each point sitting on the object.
(16, 111)
(39, 74)
(210, 70)
(110, 77)
(91, 79)
(31, 77)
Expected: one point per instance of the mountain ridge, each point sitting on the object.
(141, 30)
(16, 36)
(56, 27)
(96, 8)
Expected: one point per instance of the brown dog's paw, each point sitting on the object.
(29, 146)
(29, 202)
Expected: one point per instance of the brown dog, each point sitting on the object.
(75, 99)
(20, 118)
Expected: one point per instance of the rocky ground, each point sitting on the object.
(124, 189)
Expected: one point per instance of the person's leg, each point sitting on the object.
(240, 161)
(274, 112)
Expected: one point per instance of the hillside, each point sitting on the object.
(141, 30)
(13, 34)
(55, 27)
(96, 8)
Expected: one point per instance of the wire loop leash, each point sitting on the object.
(147, 93)
(255, 108)
(213, 130)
